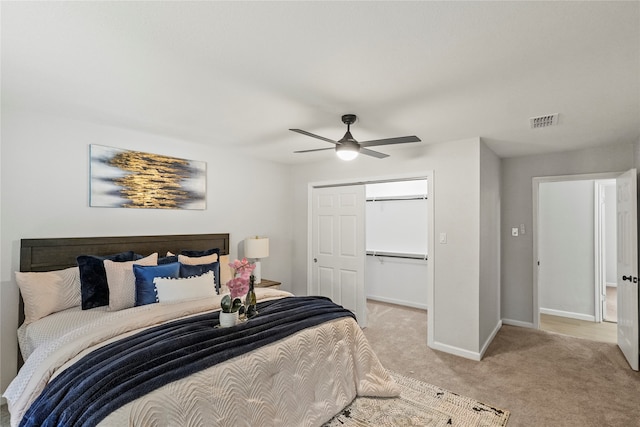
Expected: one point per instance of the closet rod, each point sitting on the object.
(391, 199)
(397, 255)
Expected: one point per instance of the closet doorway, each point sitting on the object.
(399, 288)
(396, 242)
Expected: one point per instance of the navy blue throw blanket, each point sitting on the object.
(123, 371)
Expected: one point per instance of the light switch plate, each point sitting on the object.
(514, 231)
(443, 238)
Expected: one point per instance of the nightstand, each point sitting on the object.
(266, 283)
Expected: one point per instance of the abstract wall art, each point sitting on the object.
(133, 179)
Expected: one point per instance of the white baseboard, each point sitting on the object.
(490, 338)
(569, 314)
(456, 351)
(397, 302)
(519, 323)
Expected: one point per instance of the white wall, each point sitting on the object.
(517, 208)
(397, 281)
(456, 169)
(566, 277)
(45, 194)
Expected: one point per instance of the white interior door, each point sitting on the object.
(338, 247)
(626, 224)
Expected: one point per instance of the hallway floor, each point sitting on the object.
(603, 332)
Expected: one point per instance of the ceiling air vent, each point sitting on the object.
(544, 121)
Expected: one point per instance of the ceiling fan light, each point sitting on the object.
(347, 150)
(346, 154)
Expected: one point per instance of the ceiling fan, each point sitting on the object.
(348, 148)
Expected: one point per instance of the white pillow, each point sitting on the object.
(49, 292)
(174, 290)
(189, 260)
(122, 281)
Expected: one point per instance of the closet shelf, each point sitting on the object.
(397, 255)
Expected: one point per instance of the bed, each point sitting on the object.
(298, 362)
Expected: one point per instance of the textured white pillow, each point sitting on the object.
(122, 281)
(173, 290)
(48, 292)
(190, 260)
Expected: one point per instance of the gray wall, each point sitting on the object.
(517, 208)
(45, 191)
(489, 283)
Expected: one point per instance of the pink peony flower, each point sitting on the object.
(243, 267)
(239, 285)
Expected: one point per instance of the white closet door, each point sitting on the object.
(338, 247)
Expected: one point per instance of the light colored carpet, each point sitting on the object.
(543, 379)
(420, 404)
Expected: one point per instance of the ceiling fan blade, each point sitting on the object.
(372, 153)
(398, 140)
(313, 135)
(317, 149)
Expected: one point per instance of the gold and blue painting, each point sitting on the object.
(133, 179)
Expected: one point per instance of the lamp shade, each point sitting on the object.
(256, 247)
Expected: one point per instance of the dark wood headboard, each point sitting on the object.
(58, 253)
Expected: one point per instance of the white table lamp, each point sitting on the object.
(256, 248)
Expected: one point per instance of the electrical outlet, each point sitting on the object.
(514, 231)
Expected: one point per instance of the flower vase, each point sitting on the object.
(228, 319)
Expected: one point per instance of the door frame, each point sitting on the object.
(600, 246)
(536, 181)
(429, 176)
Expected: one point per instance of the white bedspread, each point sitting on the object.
(302, 380)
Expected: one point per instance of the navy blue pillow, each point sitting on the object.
(93, 278)
(145, 288)
(205, 252)
(198, 270)
(167, 259)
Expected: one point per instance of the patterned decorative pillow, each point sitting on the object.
(210, 259)
(122, 281)
(93, 278)
(48, 292)
(175, 290)
(145, 288)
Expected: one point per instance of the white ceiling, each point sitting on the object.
(243, 73)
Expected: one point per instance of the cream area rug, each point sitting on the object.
(419, 404)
